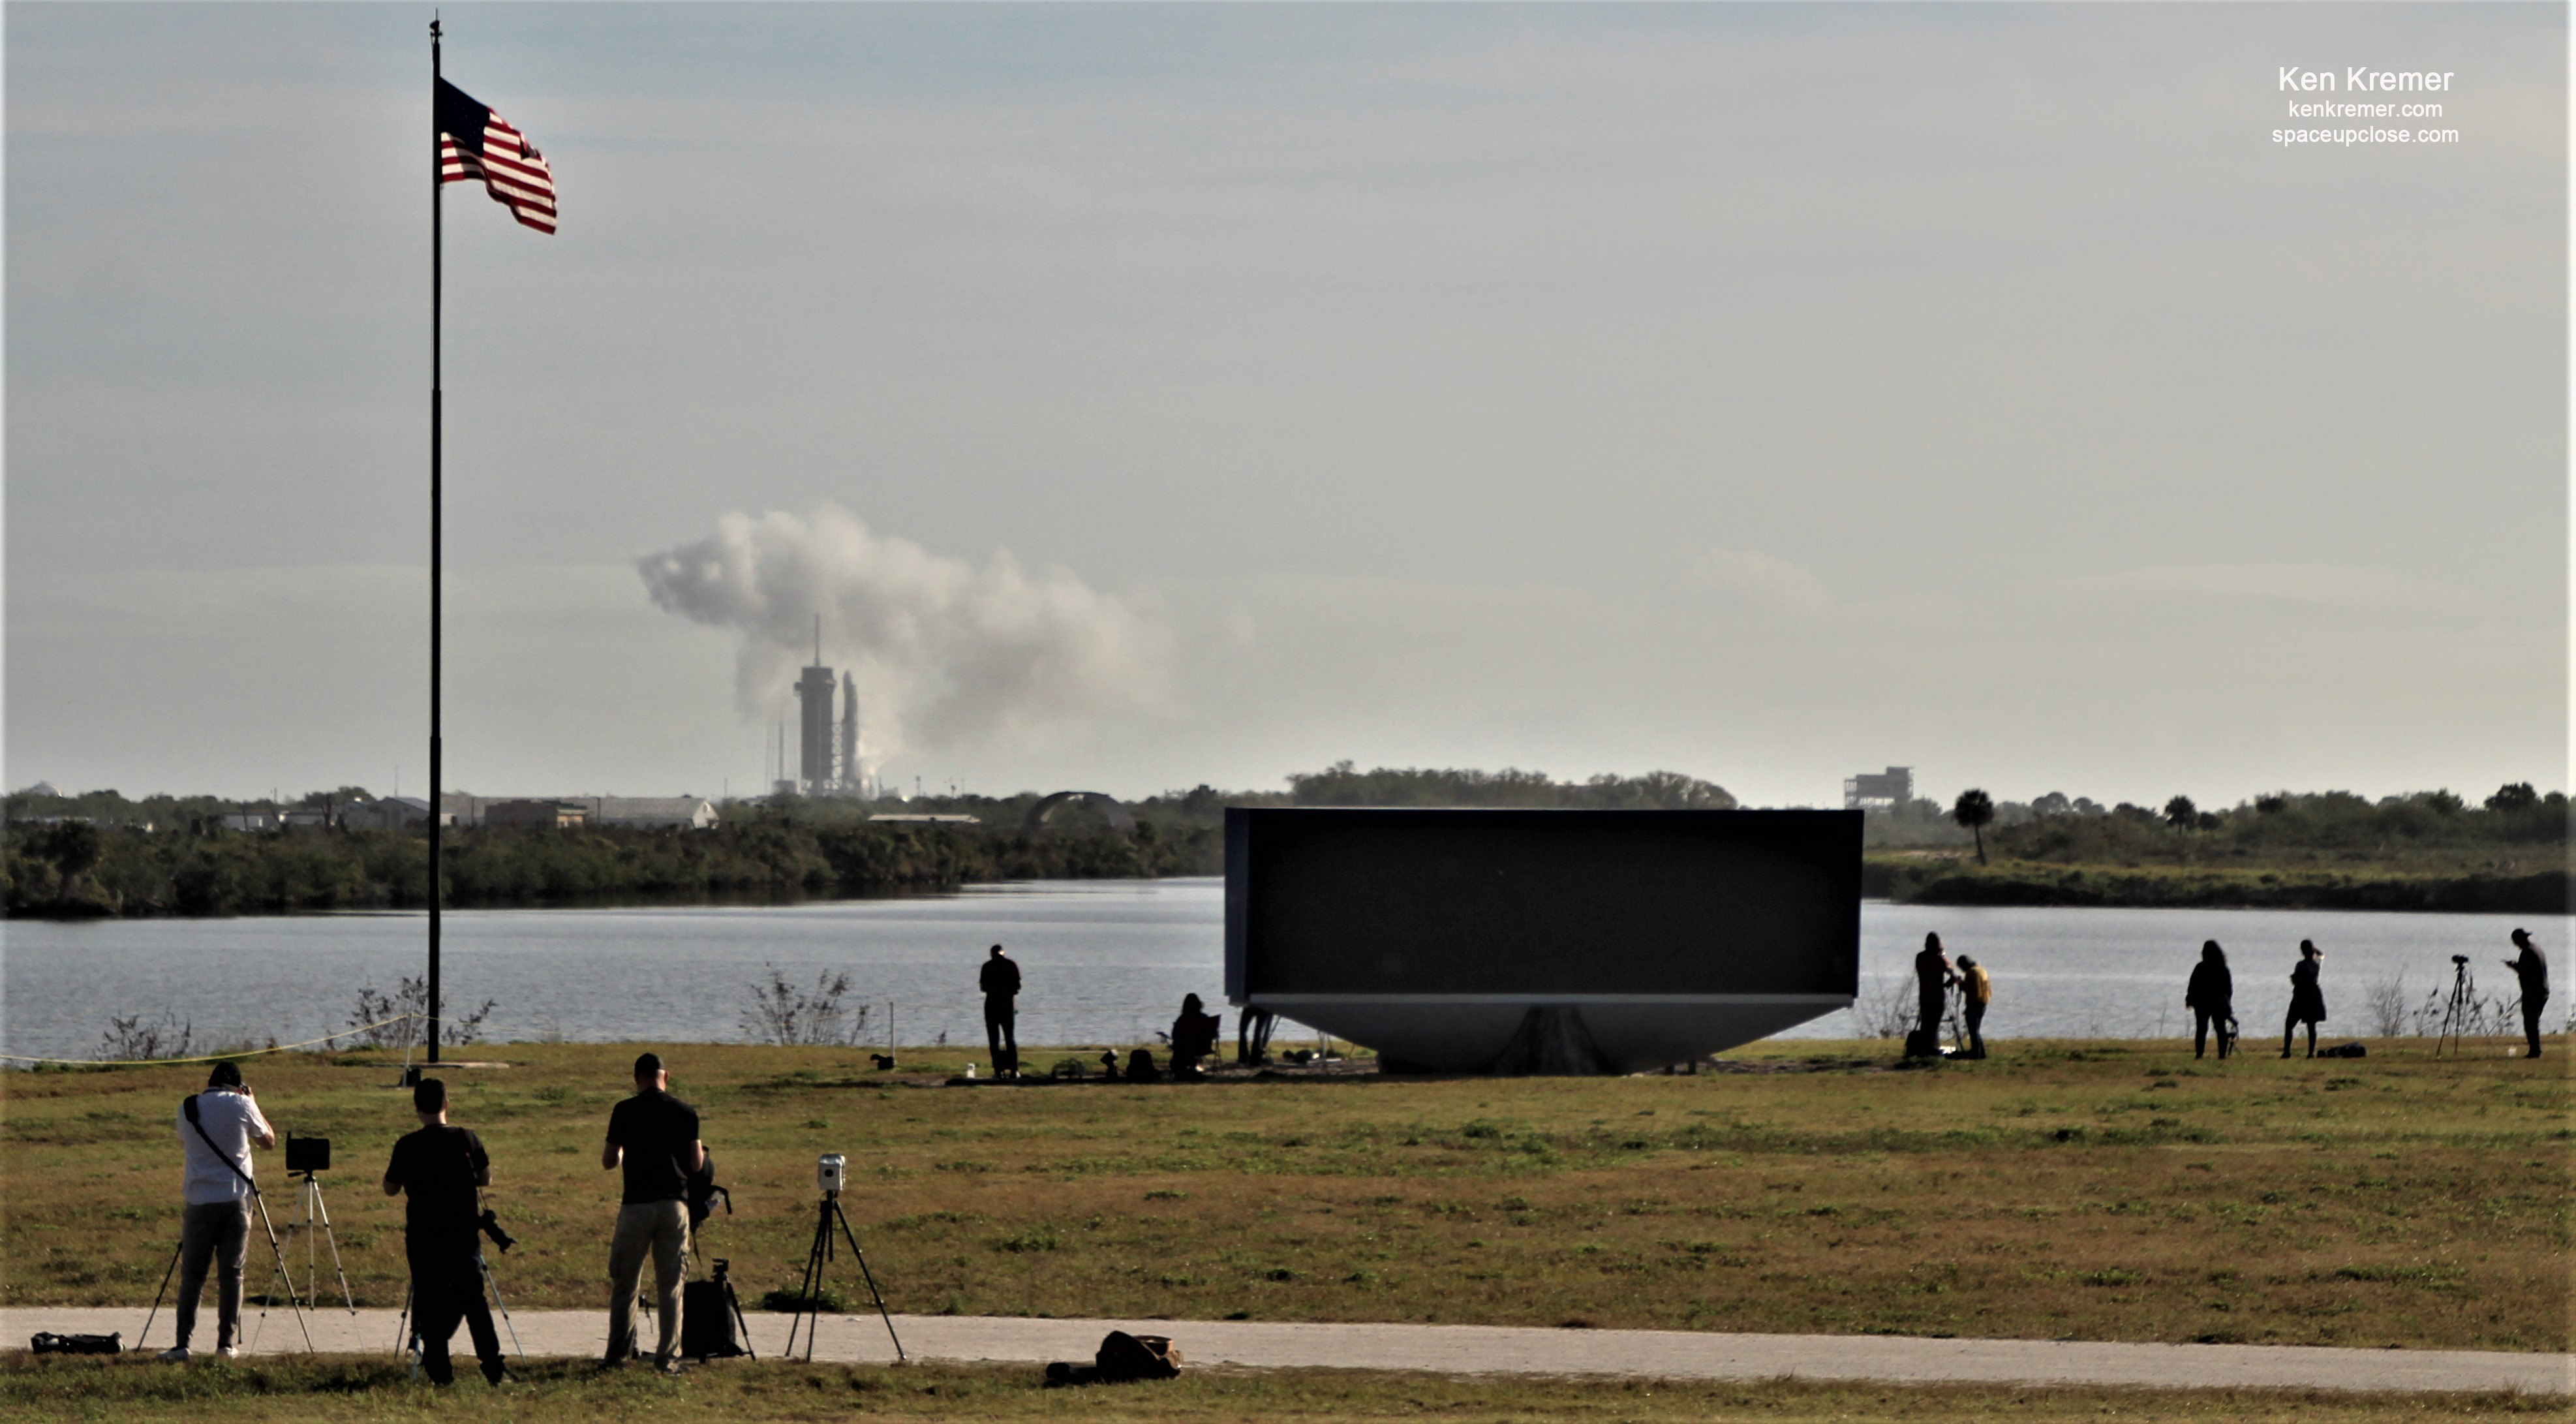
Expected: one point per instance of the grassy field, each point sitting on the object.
(345, 1391)
(2115, 1191)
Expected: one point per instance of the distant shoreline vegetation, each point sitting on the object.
(100, 854)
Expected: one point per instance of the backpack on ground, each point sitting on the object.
(48, 1343)
(1122, 1359)
(706, 1321)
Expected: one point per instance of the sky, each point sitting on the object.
(1150, 396)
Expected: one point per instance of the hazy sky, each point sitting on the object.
(1157, 395)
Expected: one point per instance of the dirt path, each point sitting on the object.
(1474, 1349)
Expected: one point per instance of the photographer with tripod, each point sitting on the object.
(654, 1136)
(441, 1168)
(217, 1130)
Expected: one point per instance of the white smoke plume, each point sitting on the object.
(946, 654)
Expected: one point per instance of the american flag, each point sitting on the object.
(474, 142)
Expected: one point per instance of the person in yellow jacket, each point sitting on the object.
(1975, 991)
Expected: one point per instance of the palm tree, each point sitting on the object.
(1976, 811)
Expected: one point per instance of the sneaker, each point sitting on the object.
(229, 1352)
(175, 1355)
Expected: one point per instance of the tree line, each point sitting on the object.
(102, 854)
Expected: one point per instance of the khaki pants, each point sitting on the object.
(659, 1230)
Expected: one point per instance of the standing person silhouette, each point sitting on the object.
(2532, 968)
(2307, 1000)
(1932, 980)
(1976, 991)
(1000, 981)
(2211, 997)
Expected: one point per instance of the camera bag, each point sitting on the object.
(46, 1342)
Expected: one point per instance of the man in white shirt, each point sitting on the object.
(217, 1137)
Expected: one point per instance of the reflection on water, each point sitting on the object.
(1105, 961)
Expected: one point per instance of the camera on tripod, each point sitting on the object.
(308, 1154)
(2459, 959)
(832, 1173)
(490, 1225)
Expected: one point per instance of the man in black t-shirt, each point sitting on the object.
(654, 1136)
(439, 1168)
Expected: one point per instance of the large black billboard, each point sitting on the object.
(1450, 902)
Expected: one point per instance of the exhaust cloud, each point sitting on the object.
(946, 654)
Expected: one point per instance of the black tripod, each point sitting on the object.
(810, 1311)
(2462, 1008)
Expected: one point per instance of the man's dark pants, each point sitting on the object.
(1001, 1033)
(446, 1287)
(2202, 1021)
(1976, 1014)
(216, 1234)
(2531, 1011)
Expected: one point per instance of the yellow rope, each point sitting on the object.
(212, 1057)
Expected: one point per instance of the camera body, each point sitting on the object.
(308, 1154)
(2459, 959)
(832, 1173)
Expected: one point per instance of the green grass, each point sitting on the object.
(345, 1390)
(2114, 1191)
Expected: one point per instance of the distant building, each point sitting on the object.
(41, 788)
(851, 775)
(827, 758)
(392, 813)
(690, 812)
(544, 815)
(694, 813)
(1867, 792)
(925, 819)
(311, 817)
(250, 820)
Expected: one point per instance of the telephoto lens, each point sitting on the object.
(831, 1173)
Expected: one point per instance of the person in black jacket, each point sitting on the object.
(2307, 1000)
(1933, 977)
(1193, 1037)
(2211, 997)
(441, 1168)
(1000, 981)
(2532, 968)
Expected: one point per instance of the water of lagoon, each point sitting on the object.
(1106, 962)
